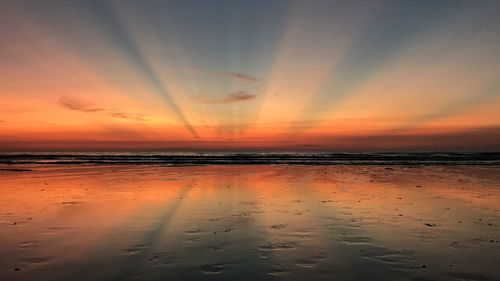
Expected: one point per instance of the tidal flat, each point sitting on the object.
(250, 222)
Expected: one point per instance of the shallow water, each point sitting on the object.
(266, 222)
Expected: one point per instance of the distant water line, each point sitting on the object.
(227, 158)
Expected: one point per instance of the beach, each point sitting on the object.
(249, 222)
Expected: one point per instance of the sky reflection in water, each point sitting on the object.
(269, 222)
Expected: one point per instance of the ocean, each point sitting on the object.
(251, 157)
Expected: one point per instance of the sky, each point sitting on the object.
(250, 74)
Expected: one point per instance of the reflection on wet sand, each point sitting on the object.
(269, 222)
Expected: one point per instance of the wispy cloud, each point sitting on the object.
(122, 115)
(83, 106)
(78, 105)
(232, 75)
(231, 98)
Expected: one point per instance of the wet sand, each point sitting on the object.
(260, 222)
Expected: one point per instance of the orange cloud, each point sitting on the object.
(79, 105)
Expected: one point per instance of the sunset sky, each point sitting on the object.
(269, 74)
